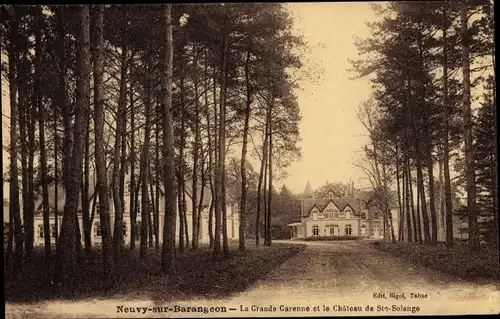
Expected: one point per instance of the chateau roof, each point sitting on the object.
(341, 203)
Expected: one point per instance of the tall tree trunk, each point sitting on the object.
(225, 241)
(410, 230)
(202, 194)
(262, 182)
(29, 218)
(85, 192)
(420, 185)
(183, 233)
(56, 177)
(117, 198)
(133, 212)
(264, 165)
(387, 207)
(181, 217)
(420, 178)
(196, 146)
(22, 114)
(62, 101)
(419, 223)
(67, 254)
(219, 189)
(246, 125)
(168, 251)
(151, 212)
(401, 201)
(446, 140)
(467, 116)
(14, 211)
(441, 229)
(41, 126)
(145, 163)
(157, 184)
(268, 235)
(432, 202)
(210, 152)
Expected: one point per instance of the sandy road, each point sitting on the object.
(326, 279)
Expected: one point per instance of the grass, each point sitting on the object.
(197, 276)
(457, 261)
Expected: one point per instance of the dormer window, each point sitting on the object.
(314, 213)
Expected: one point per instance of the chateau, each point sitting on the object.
(333, 214)
(232, 215)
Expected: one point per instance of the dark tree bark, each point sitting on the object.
(401, 202)
(14, 211)
(151, 213)
(408, 193)
(268, 235)
(183, 233)
(219, 189)
(102, 188)
(262, 182)
(145, 161)
(85, 192)
(246, 125)
(468, 136)
(67, 254)
(157, 189)
(116, 189)
(133, 211)
(196, 152)
(225, 241)
(168, 251)
(210, 152)
(41, 126)
(29, 218)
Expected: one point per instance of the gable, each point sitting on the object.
(314, 209)
(348, 208)
(331, 207)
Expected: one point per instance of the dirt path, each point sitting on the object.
(331, 278)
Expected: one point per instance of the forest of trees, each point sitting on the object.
(171, 91)
(431, 117)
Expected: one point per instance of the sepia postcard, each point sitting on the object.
(250, 159)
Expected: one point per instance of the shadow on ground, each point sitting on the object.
(197, 276)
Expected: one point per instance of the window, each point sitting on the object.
(124, 226)
(332, 230)
(375, 215)
(97, 229)
(53, 230)
(348, 229)
(363, 215)
(363, 230)
(330, 195)
(97, 209)
(315, 230)
(40, 231)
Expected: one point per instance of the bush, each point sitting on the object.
(331, 238)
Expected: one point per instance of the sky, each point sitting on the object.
(332, 136)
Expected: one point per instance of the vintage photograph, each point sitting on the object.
(250, 159)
